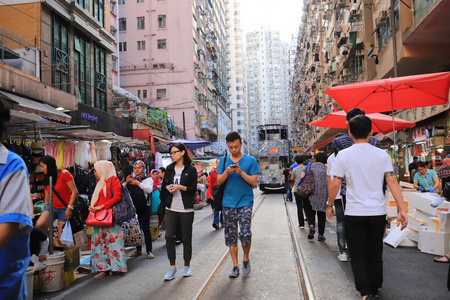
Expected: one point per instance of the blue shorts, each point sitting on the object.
(231, 217)
(58, 213)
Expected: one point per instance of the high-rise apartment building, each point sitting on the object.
(267, 82)
(237, 93)
(173, 56)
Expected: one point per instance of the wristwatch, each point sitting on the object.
(328, 205)
(70, 206)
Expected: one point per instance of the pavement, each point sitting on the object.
(408, 273)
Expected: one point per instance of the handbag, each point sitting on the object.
(124, 210)
(220, 189)
(100, 218)
(306, 185)
(132, 235)
(75, 220)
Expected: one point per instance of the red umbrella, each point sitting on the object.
(380, 123)
(393, 93)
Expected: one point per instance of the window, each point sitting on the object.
(84, 3)
(238, 105)
(82, 68)
(239, 131)
(139, 94)
(122, 24)
(122, 46)
(162, 44)
(141, 45)
(98, 10)
(161, 93)
(140, 23)
(162, 21)
(144, 94)
(238, 114)
(140, 1)
(60, 55)
(100, 78)
(121, 1)
(239, 122)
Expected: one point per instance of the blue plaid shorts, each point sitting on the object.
(231, 217)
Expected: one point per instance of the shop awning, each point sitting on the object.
(41, 109)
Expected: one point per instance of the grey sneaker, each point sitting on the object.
(187, 272)
(234, 273)
(170, 274)
(246, 269)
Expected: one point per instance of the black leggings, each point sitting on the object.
(173, 220)
(311, 215)
(144, 222)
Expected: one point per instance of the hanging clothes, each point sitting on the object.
(103, 150)
(158, 160)
(69, 153)
(82, 154)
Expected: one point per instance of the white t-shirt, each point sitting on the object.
(363, 166)
(330, 162)
(177, 202)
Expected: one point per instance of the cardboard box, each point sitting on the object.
(433, 224)
(406, 185)
(413, 235)
(79, 238)
(434, 242)
(72, 258)
(444, 221)
(422, 201)
(414, 223)
(395, 236)
(407, 242)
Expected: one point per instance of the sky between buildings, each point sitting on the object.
(281, 15)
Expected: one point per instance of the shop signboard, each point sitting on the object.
(418, 114)
(419, 134)
(429, 142)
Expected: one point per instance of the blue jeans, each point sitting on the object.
(288, 191)
(216, 217)
(58, 213)
(340, 229)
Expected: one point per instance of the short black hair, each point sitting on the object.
(5, 116)
(232, 136)
(360, 126)
(321, 157)
(415, 157)
(354, 112)
(162, 169)
(299, 159)
(421, 164)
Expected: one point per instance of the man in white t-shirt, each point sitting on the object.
(364, 168)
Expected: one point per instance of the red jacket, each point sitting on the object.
(107, 201)
(212, 179)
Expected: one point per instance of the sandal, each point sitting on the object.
(83, 270)
(136, 254)
(442, 259)
(150, 255)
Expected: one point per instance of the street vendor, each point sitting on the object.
(425, 180)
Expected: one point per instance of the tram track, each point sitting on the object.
(306, 290)
(216, 269)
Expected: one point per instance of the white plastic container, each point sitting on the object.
(29, 273)
(51, 279)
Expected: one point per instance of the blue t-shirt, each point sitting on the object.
(15, 207)
(238, 193)
(293, 166)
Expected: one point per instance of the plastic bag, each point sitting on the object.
(66, 235)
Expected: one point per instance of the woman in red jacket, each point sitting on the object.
(107, 246)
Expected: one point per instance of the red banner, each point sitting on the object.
(142, 134)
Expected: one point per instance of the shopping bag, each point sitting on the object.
(132, 235)
(66, 235)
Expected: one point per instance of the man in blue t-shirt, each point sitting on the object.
(15, 218)
(240, 174)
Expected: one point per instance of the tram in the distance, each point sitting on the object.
(273, 149)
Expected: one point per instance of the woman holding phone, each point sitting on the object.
(177, 195)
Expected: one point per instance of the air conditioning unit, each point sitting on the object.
(155, 66)
(162, 66)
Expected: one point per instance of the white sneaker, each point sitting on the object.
(343, 256)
